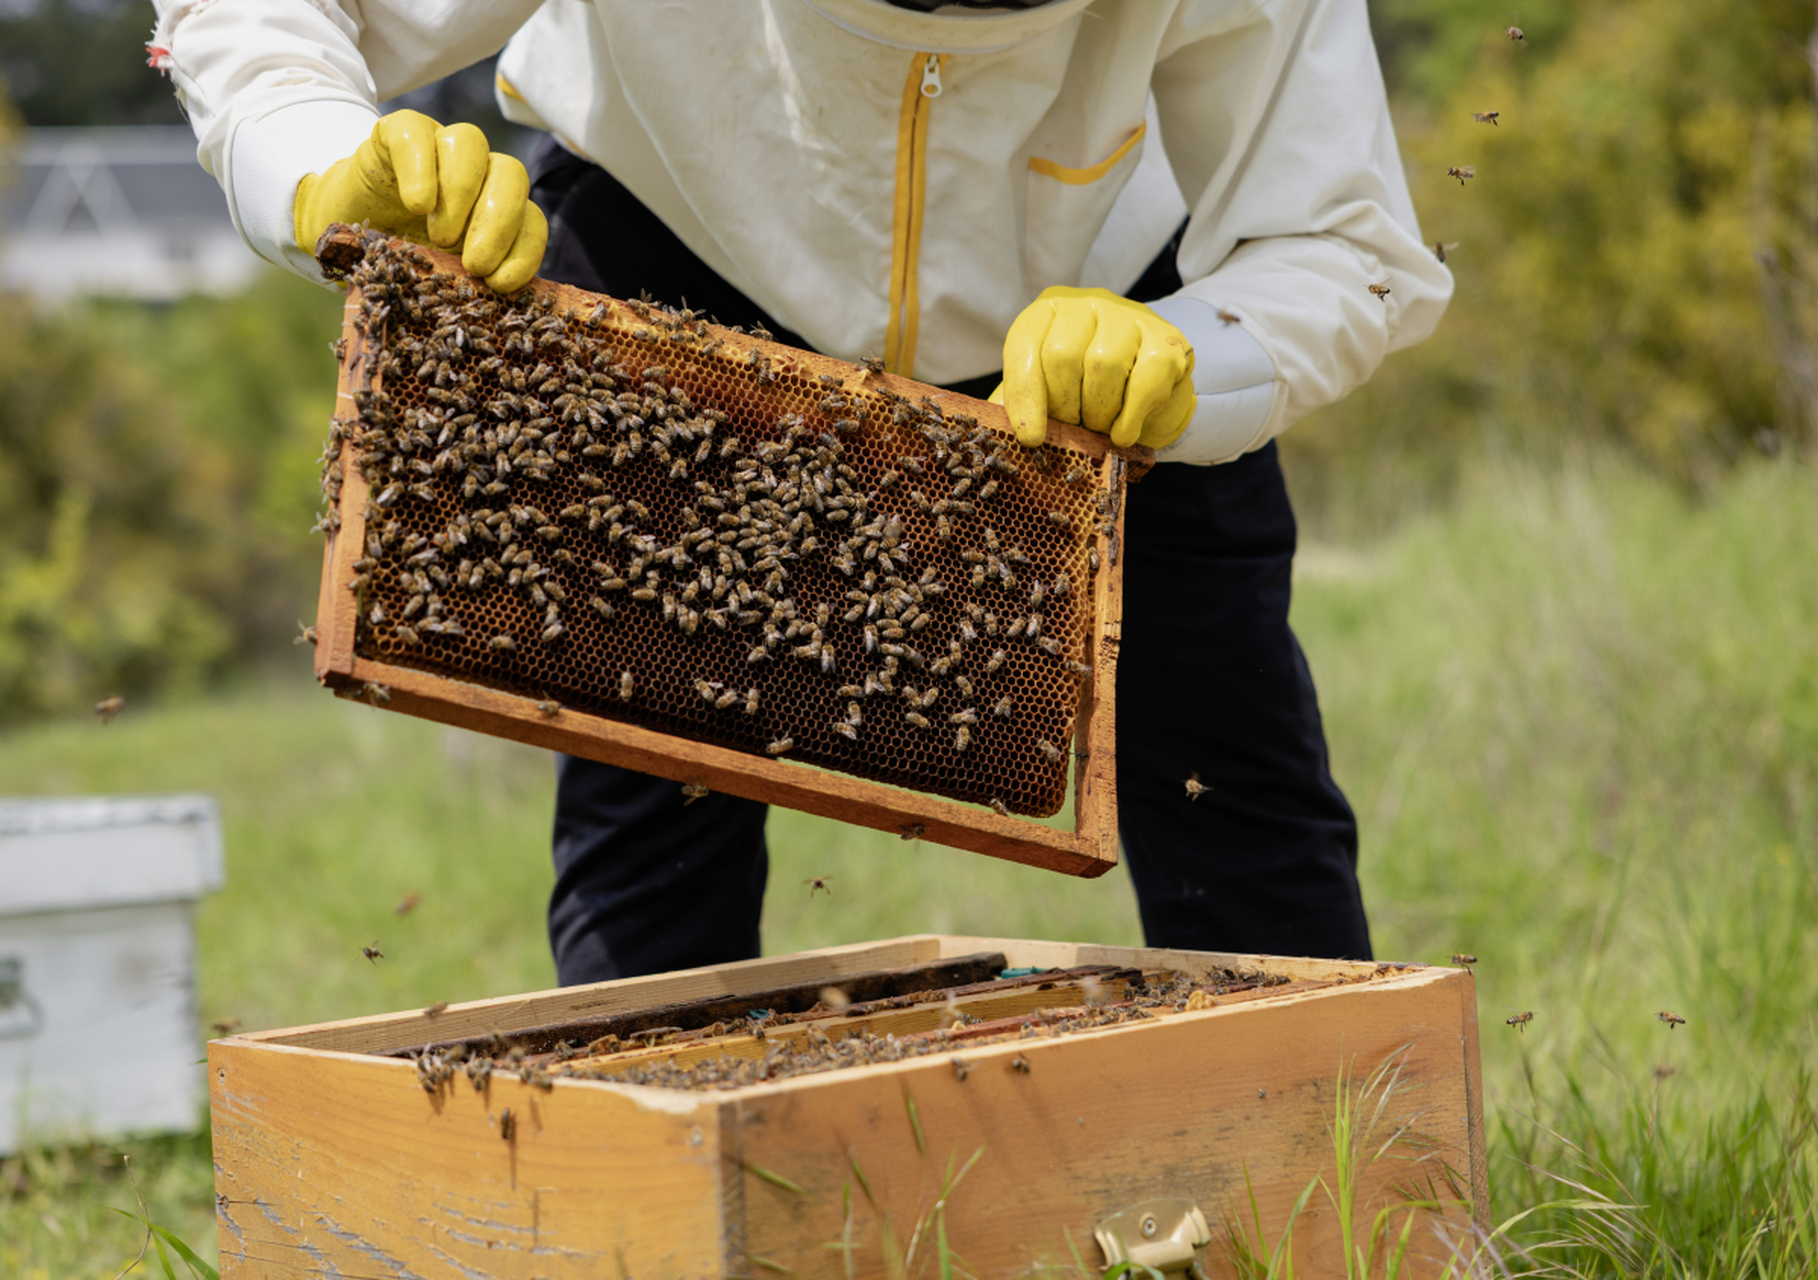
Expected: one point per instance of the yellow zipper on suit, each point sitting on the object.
(919, 93)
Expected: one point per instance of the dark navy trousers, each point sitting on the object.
(1210, 681)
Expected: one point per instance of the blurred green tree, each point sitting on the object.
(1609, 289)
(157, 479)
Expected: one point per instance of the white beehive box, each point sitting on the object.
(98, 1029)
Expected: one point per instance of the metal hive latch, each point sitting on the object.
(1164, 1235)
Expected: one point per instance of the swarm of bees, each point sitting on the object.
(556, 494)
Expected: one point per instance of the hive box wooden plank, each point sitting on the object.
(1089, 849)
(333, 1161)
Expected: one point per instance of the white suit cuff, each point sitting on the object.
(269, 156)
(1234, 381)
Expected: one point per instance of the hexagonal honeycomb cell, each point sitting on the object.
(626, 510)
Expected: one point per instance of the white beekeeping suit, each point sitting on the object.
(886, 180)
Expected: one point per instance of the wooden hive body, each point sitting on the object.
(333, 1159)
(1053, 524)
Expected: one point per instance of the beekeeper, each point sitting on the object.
(1158, 218)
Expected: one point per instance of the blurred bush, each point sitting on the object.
(157, 477)
(1608, 284)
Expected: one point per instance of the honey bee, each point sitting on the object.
(995, 661)
(373, 954)
(1485, 117)
(914, 831)
(1049, 750)
(306, 634)
(1229, 317)
(780, 746)
(1672, 1020)
(549, 707)
(846, 730)
(1195, 788)
(1020, 1064)
(435, 1010)
(1441, 248)
(998, 807)
(503, 643)
(1061, 519)
(817, 883)
(872, 364)
(751, 701)
(1520, 1021)
(627, 686)
(1005, 706)
(108, 708)
(1461, 172)
(961, 1068)
(1463, 958)
(1380, 292)
(375, 694)
(917, 719)
(962, 739)
(226, 1027)
(407, 904)
(1516, 34)
(508, 1125)
(693, 791)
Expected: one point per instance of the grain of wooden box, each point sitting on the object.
(334, 1161)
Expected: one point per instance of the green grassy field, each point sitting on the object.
(1578, 718)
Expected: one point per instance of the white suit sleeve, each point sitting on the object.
(1279, 134)
(308, 75)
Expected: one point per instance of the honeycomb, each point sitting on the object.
(618, 508)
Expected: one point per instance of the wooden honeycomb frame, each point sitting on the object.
(1089, 849)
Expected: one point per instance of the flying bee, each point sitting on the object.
(1229, 317)
(816, 884)
(962, 739)
(1380, 292)
(1516, 34)
(226, 1027)
(1195, 788)
(1671, 1019)
(503, 643)
(1441, 248)
(1049, 750)
(626, 687)
(108, 708)
(998, 807)
(1520, 1021)
(1005, 705)
(375, 694)
(373, 954)
(780, 746)
(306, 634)
(1485, 117)
(693, 791)
(1461, 172)
(1460, 957)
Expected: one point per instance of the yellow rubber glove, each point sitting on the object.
(435, 185)
(1105, 362)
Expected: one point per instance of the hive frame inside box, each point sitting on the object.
(1090, 849)
(328, 1153)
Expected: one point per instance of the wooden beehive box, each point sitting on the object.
(625, 533)
(1000, 1123)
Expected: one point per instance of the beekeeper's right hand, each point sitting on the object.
(435, 184)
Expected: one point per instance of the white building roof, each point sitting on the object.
(121, 211)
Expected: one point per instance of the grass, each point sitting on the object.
(1577, 715)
